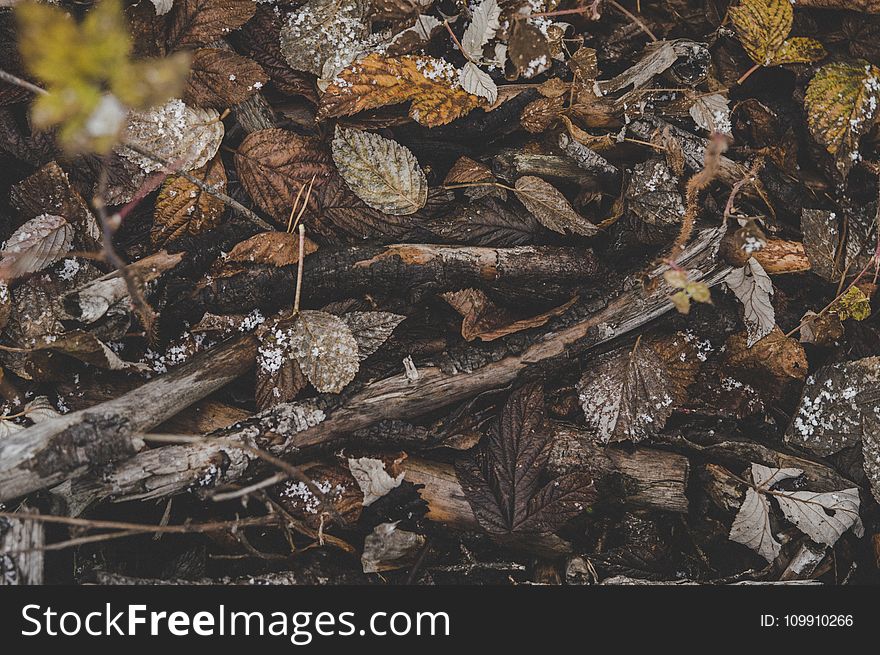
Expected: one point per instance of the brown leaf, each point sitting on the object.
(201, 22)
(41, 241)
(340, 490)
(430, 85)
(484, 320)
(279, 378)
(528, 49)
(87, 348)
(183, 209)
(275, 164)
(540, 114)
(629, 393)
(550, 207)
(371, 329)
(273, 248)
(467, 171)
(220, 78)
(326, 350)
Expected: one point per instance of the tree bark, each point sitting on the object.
(21, 560)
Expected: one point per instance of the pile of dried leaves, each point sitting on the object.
(440, 291)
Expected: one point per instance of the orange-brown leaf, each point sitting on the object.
(183, 209)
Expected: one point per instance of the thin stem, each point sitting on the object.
(747, 74)
(299, 268)
(456, 41)
(24, 84)
(635, 19)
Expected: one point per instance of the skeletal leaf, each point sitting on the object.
(628, 394)
(201, 22)
(550, 207)
(824, 517)
(371, 329)
(185, 137)
(753, 288)
(275, 164)
(836, 405)
(183, 209)
(763, 27)
(325, 34)
(35, 245)
(373, 478)
(383, 173)
(841, 103)
(221, 78)
(325, 349)
(430, 84)
(751, 527)
(482, 28)
(476, 81)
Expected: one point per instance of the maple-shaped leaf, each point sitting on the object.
(753, 288)
(823, 517)
(36, 244)
(841, 103)
(183, 209)
(550, 207)
(220, 78)
(763, 27)
(183, 136)
(201, 22)
(274, 165)
(628, 394)
(430, 84)
(383, 173)
(504, 489)
(837, 403)
(325, 349)
(324, 36)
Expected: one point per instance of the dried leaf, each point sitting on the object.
(185, 137)
(841, 103)
(383, 173)
(272, 248)
(387, 548)
(654, 202)
(371, 329)
(275, 164)
(753, 288)
(325, 349)
(372, 478)
(528, 49)
(484, 320)
(201, 22)
(822, 330)
(763, 26)
(629, 394)
(484, 24)
(550, 207)
(279, 378)
(751, 527)
(540, 114)
(853, 303)
(341, 495)
(467, 171)
(477, 82)
(35, 245)
(183, 209)
(430, 84)
(823, 517)
(325, 36)
(836, 400)
(87, 348)
(832, 248)
(221, 78)
(772, 362)
(712, 113)
(504, 492)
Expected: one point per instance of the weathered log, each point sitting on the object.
(21, 557)
(68, 446)
(400, 268)
(293, 427)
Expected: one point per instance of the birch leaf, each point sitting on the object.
(628, 394)
(841, 103)
(753, 288)
(325, 349)
(323, 33)
(481, 30)
(383, 173)
(371, 329)
(476, 81)
(550, 207)
(35, 245)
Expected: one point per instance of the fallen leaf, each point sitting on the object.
(387, 548)
(477, 82)
(653, 201)
(831, 248)
(753, 288)
(841, 103)
(371, 329)
(325, 349)
(712, 113)
(628, 394)
(528, 48)
(222, 78)
(372, 478)
(184, 209)
(771, 363)
(428, 83)
(201, 22)
(383, 173)
(550, 207)
(763, 27)
(275, 164)
(484, 23)
(35, 245)
(325, 36)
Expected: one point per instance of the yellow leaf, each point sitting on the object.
(682, 301)
(763, 27)
(841, 103)
(853, 304)
(428, 83)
